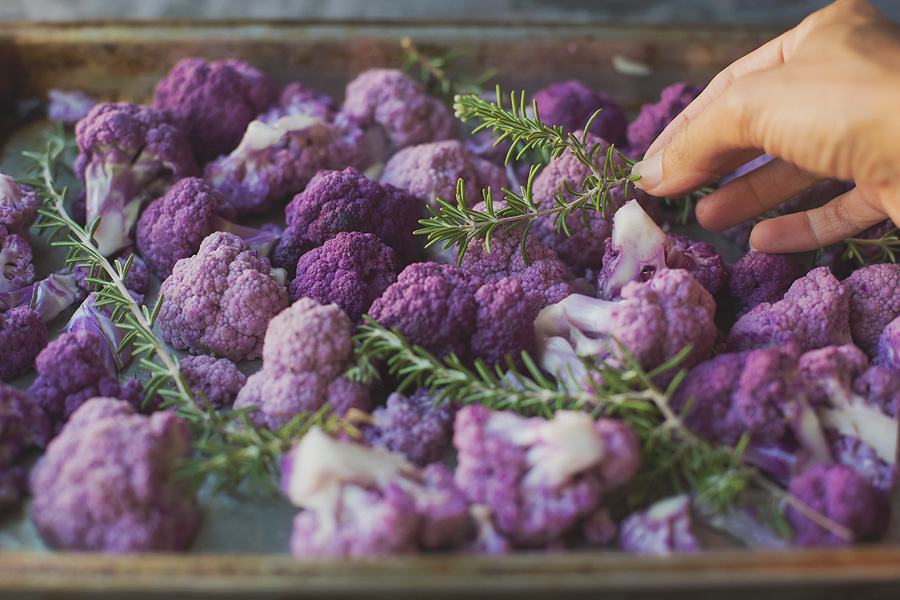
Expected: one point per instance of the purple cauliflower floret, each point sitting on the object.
(540, 477)
(638, 248)
(16, 266)
(218, 379)
(582, 250)
(815, 312)
(570, 104)
(23, 334)
(18, 206)
(431, 171)
(307, 349)
(889, 347)
(127, 154)
(99, 322)
(397, 107)
(758, 277)
(220, 301)
(336, 201)
(874, 302)
(105, 483)
(299, 99)
(413, 427)
(214, 102)
(71, 370)
(22, 425)
(485, 538)
(653, 321)
(840, 494)
(172, 227)
(667, 527)
(351, 270)
(276, 160)
(483, 144)
(69, 106)
(653, 118)
(540, 272)
(449, 311)
(49, 296)
(362, 501)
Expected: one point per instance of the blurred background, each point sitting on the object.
(746, 12)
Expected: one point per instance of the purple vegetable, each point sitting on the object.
(758, 277)
(413, 427)
(654, 117)
(22, 425)
(889, 347)
(23, 335)
(570, 104)
(299, 99)
(49, 296)
(18, 206)
(874, 302)
(16, 267)
(69, 106)
(665, 528)
(106, 482)
(218, 379)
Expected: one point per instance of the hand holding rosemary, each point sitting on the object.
(581, 394)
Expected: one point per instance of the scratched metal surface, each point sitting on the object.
(241, 550)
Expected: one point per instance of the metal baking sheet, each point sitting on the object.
(242, 547)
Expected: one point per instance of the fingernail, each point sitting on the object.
(650, 170)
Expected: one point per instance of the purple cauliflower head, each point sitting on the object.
(449, 311)
(570, 104)
(22, 425)
(127, 154)
(218, 379)
(814, 312)
(540, 477)
(16, 266)
(874, 302)
(18, 206)
(344, 201)
(173, 226)
(23, 334)
(390, 102)
(667, 527)
(838, 493)
(414, 427)
(758, 277)
(214, 101)
(351, 270)
(653, 118)
(105, 483)
(431, 171)
(307, 349)
(363, 501)
(220, 301)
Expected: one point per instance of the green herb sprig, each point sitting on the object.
(887, 248)
(432, 71)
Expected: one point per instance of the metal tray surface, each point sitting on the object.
(242, 548)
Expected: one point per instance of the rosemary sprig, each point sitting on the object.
(887, 246)
(685, 205)
(456, 224)
(432, 72)
(674, 456)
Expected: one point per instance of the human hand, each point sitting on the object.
(822, 99)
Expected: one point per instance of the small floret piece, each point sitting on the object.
(838, 493)
(106, 482)
(214, 101)
(172, 227)
(665, 528)
(218, 379)
(299, 99)
(653, 321)
(23, 335)
(278, 159)
(540, 477)
(307, 349)
(18, 206)
(759, 277)
(220, 301)
(413, 427)
(889, 347)
(127, 154)
(449, 311)
(874, 302)
(486, 538)
(653, 118)
(390, 102)
(16, 267)
(336, 201)
(638, 248)
(69, 106)
(815, 312)
(49, 296)
(72, 369)
(362, 501)
(431, 171)
(351, 270)
(22, 425)
(571, 103)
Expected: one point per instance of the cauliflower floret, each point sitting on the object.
(653, 118)
(218, 379)
(22, 425)
(69, 106)
(16, 266)
(414, 427)
(665, 528)
(571, 103)
(18, 206)
(105, 483)
(220, 301)
(23, 335)
(758, 277)
(874, 302)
